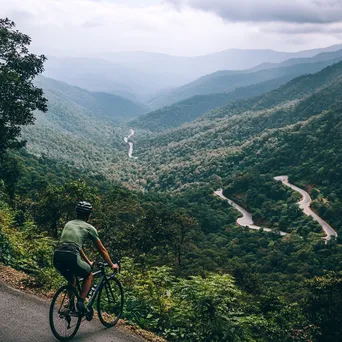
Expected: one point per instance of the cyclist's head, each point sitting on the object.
(83, 210)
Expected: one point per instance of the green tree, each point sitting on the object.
(323, 306)
(183, 232)
(56, 205)
(19, 98)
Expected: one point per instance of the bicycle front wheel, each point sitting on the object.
(110, 302)
(64, 320)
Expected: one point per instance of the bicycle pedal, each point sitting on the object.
(90, 314)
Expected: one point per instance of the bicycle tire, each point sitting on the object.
(64, 315)
(110, 298)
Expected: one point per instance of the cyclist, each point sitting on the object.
(69, 257)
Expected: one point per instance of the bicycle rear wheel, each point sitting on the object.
(64, 320)
(110, 302)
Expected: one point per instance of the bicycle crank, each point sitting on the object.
(90, 314)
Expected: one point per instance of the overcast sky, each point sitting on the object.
(177, 27)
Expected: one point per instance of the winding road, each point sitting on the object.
(126, 139)
(26, 318)
(305, 203)
(246, 220)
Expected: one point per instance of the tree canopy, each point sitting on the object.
(19, 98)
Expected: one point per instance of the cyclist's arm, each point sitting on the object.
(85, 258)
(104, 253)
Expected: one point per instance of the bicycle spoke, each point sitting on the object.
(110, 302)
(59, 311)
(64, 321)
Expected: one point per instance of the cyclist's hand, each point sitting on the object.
(115, 267)
(91, 263)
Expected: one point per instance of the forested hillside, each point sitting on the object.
(298, 99)
(80, 127)
(226, 142)
(98, 104)
(190, 109)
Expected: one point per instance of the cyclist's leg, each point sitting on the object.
(71, 282)
(86, 285)
(82, 269)
(61, 262)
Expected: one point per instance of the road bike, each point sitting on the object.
(64, 318)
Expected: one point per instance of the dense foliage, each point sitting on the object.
(190, 109)
(102, 106)
(190, 243)
(300, 138)
(18, 96)
(79, 127)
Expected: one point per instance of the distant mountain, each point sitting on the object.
(140, 75)
(98, 75)
(226, 81)
(180, 70)
(321, 57)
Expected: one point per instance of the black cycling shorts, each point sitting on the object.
(69, 263)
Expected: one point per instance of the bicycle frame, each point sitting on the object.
(99, 286)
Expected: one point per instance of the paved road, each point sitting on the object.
(24, 318)
(246, 220)
(305, 203)
(130, 152)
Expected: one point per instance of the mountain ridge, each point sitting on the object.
(190, 109)
(227, 80)
(144, 77)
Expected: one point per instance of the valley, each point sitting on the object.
(215, 145)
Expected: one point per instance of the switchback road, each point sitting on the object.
(304, 204)
(246, 220)
(126, 139)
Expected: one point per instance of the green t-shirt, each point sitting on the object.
(78, 232)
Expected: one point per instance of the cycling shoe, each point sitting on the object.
(81, 307)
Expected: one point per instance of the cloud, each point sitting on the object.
(96, 27)
(92, 27)
(291, 11)
(302, 29)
